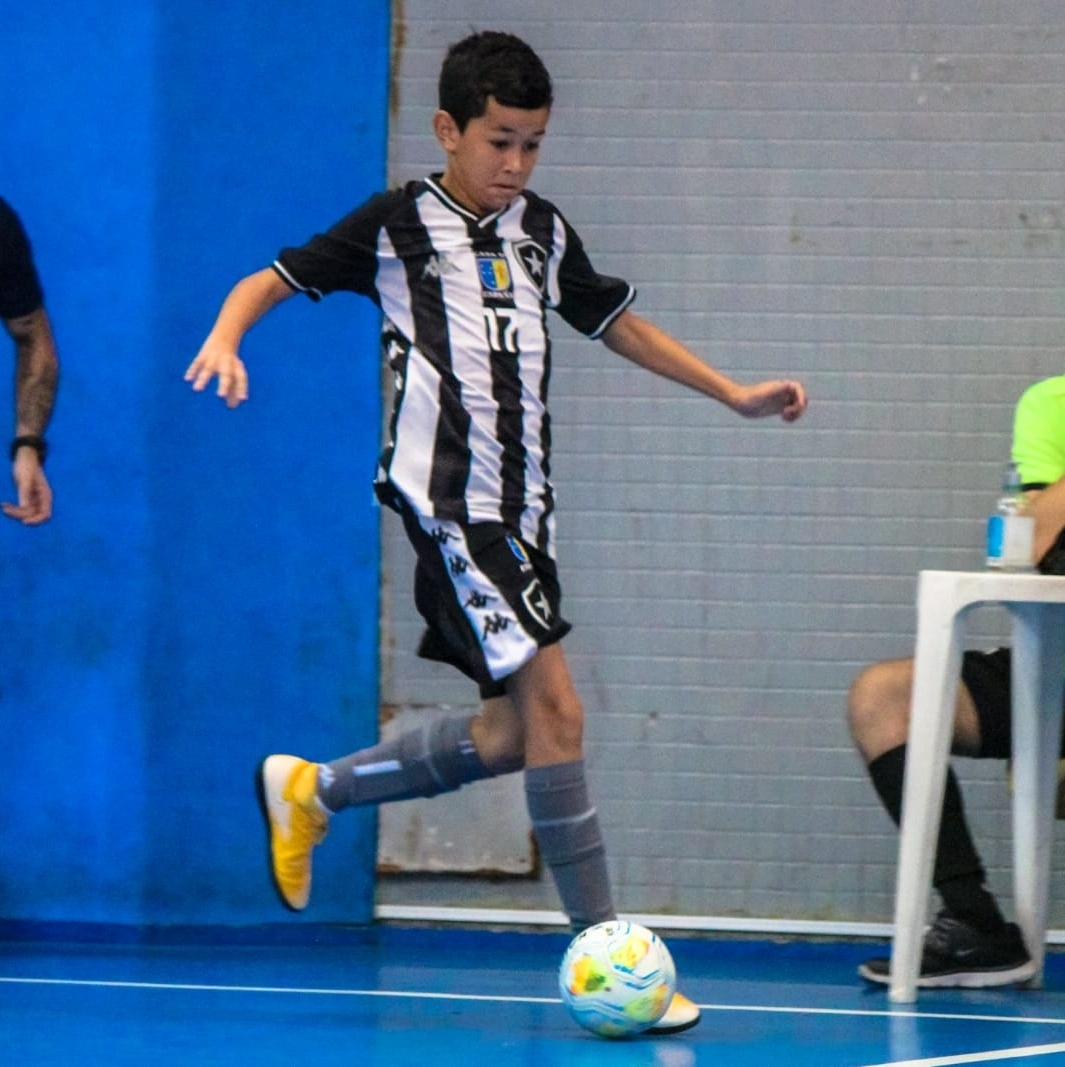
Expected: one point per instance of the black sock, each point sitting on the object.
(958, 874)
(967, 899)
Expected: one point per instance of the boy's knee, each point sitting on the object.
(543, 693)
(555, 727)
(563, 714)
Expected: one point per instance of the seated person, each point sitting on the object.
(970, 943)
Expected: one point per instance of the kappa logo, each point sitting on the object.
(535, 600)
(437, 265)
(495, 624)
(533, 260)
(442, 536)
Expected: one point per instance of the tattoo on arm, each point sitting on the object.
(36, 371)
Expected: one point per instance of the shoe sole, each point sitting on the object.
(660, 1031)
(264, 807)
(961, 979)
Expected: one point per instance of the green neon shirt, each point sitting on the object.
(1039, 433)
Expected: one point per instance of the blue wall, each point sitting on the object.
(207, 590)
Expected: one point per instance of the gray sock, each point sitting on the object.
(435, 758)
(567, 831)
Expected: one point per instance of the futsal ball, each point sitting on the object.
(617, 978)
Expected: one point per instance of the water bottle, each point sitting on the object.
(1010, 534)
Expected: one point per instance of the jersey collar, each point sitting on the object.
(433, 181)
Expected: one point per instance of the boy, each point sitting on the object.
(464, 264)
(970, 944)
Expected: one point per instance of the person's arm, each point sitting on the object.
(1038, 449)
(1047, 507)
(248, 301)
(652, 348)
(36, 380)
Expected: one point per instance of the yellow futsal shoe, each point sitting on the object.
(681, 1015)
(297, 822)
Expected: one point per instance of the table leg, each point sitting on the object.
(940, 627)
(1038, 666)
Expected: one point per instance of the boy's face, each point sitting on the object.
(490, 162)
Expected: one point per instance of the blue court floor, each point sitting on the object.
(402, 996)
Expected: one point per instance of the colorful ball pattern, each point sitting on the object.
(617, 978)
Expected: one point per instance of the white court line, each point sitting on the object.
(197, 987)
(769, 1009)
(978, 1057)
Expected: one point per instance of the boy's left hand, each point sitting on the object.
(219, 361)
(784, 398)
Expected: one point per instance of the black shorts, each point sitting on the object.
(987, 677)
(490, 601)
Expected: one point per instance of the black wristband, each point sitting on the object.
(30, 440)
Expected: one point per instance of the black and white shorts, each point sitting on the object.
(489, 599)
(987, 677)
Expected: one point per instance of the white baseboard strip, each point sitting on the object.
(692, 923)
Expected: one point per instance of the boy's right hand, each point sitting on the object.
(221, 361)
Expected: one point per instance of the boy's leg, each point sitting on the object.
(437, 757)
(564, 821)
(298, 796)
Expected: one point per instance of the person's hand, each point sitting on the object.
(215, 360)
(34, 493)
(784, 398)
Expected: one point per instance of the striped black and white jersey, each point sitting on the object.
(465, 332)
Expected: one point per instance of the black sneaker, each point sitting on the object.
(958, 955)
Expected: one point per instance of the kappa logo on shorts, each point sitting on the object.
(495, 624)
(535, 600)
(533, 260)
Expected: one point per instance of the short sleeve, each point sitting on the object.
(587, 300)
(1039, 433)
(20, 288)
(344, 258)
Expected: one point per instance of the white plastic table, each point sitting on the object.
(1036, 604)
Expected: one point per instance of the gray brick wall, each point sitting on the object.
(869, 196)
